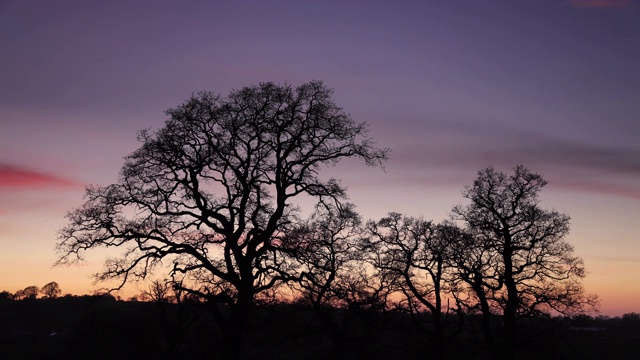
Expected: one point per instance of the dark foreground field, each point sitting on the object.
(102, 328)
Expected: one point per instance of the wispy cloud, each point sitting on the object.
(568, 164)
(602, 187)
(18, 177)
(602, 3)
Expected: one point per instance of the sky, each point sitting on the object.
(450, 86)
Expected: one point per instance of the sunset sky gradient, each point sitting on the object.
(451, 86)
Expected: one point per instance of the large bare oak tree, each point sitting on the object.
(211, 193)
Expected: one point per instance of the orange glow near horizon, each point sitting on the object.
(618, 295)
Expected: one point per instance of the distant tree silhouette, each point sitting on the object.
(525, 266)
(18, 295)
(415, 253)
(5, 295)
(631, 317)
(51, 290)
(212, 193)
(158, 291)
(30, 292)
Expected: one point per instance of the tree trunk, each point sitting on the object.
(511, 307)
(336, 333)
(478, 288)
(438, 326)
(233, 331)
(440, 341)
(508, 336)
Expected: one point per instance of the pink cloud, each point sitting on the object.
(602, 3)
(17, 177)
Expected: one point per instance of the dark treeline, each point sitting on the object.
(209, 203)
(50, 291)
(101, 327)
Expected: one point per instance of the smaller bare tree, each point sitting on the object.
(415, 254)
(333, 277)
(322, 249)
(476, 278)
(159, 291)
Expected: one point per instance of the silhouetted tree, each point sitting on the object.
(212, 192)
(158, 291)
(631, 317)
(30, 292)
(51, 290)
(332, 277)
(527, 268)
(415, 254)
(477, 269)
(5, 295)
(323, 246)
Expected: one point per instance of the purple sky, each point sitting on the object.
(450, 86)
